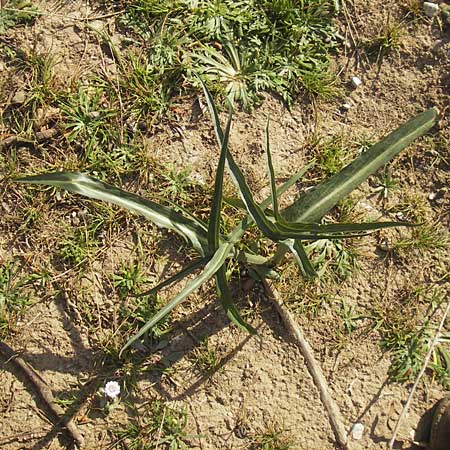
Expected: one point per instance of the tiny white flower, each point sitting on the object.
(112, 389)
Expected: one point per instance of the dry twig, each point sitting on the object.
(43, 390)
(419, 376)
(334, 414)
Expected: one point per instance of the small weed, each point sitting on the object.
(87, 121)
(160, 427)
(406, 333)
(13, 297)
(424, 238)
(349, 317)
(272, 438)
(385, 184)
(334, 255)
(177, 183)
(205, 358)
(129, 279)
(16, 12)
(331, 155)
(387, 41)
(82, 244)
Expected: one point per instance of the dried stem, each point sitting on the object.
(334, 414)
(419, 376)
(43, 390)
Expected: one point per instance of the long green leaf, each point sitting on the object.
(227, 302)
(187, 270)
(162, 216)
(271, 171)
(214, 236)
(216, 208)
(208, 272)
(298, 251)
(315, 203)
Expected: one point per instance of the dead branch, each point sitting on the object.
(433, 344)
(334, 414)
(44, 392)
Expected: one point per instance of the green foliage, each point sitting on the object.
(289, 228)
(272, 438)
(16, 12)
(407, 334)
(160, 427)
(242, 48)
(205, 357)
(13, 297)
(81, 244)
(129, 279)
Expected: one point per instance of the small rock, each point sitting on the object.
(357, 431)
(356, 81)
(384, 245)
(19, 97)
(430, 9)
(346, 106)
(432, 196)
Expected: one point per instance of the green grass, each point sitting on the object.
(16, 12)
(241, 48)
(407, 329)
(159, 427)
(14, 297)
(273, 437)
(205, 357)
(387, 41)
(422, 239)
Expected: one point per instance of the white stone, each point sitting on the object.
(357, 431)
(356, 81)
(430, 9)
(346, 106)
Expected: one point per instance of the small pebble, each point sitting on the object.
(432, 196)
(430, 9)
(346, 106)
(357, 431)
(356, 81)
(384, 246)
(19, 97)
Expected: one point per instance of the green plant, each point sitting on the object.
(427, 237)
(86, 119)
(241, 48)
(79, 246)
(16, 12)
(290, 228)
(385, 184)
(271, 438)
(205, 358)
(407, 332)
(13, 297)
(161, 427)
(387, 41)
(128, 279)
